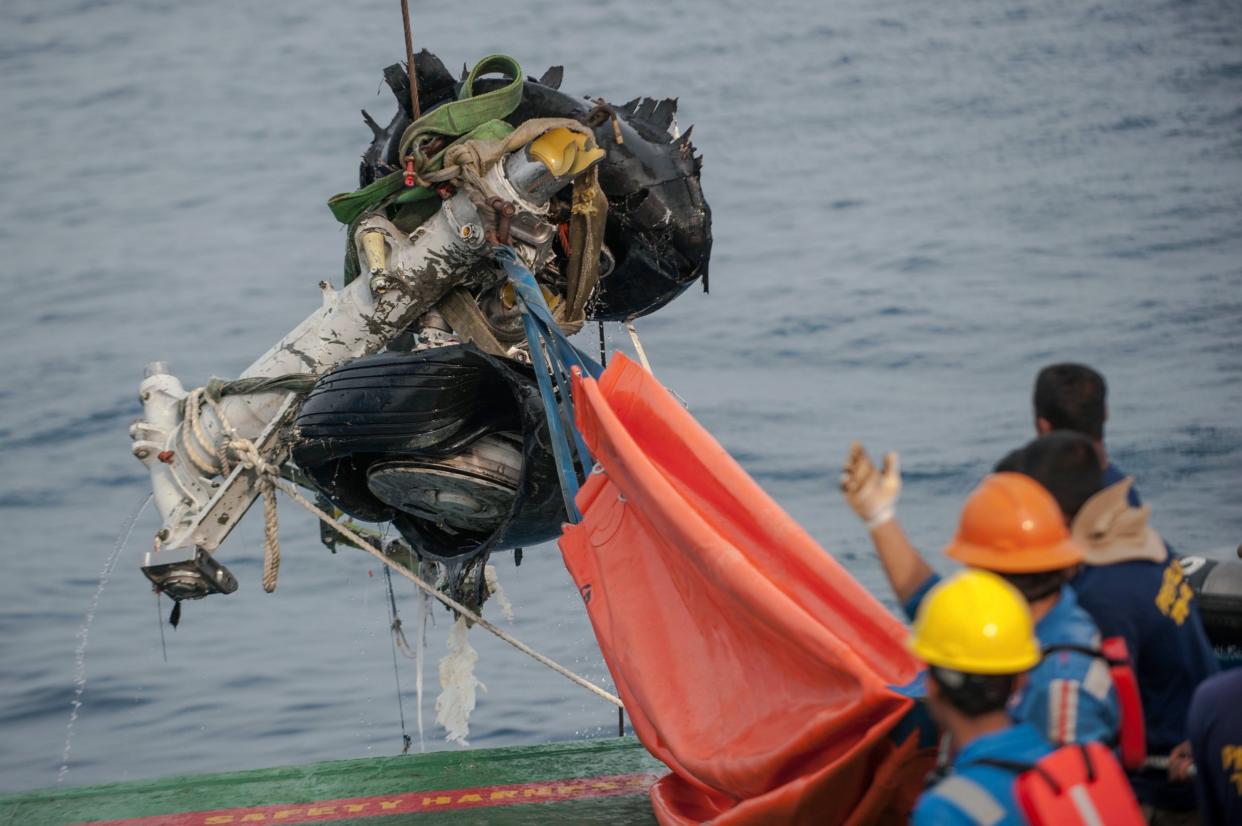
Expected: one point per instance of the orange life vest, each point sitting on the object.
(1076, 785)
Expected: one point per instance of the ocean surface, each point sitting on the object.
(916, 206)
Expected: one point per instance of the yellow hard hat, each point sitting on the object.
(977, 623)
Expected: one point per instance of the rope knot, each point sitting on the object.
(248, 456)
(246, 453)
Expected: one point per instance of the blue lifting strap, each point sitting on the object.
(553, 357)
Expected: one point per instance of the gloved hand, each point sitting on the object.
(871, 493)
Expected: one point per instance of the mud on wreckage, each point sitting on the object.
(410, 396)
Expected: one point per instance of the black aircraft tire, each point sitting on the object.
(428, 404)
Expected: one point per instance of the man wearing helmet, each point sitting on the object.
(977, 637)
(1010, 526)
(975, 633)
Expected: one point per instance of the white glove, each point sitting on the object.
(871, 493)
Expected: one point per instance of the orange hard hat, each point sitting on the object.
(1012, 525)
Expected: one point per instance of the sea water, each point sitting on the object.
(916, 205)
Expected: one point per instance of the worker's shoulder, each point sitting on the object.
(1127, 576)
(942, 804)
(1219, 689)
(1067, 623)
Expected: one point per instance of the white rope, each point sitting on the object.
(638, 347)
(249, 456)
(212, 463)
(448, 601)
(245, 452)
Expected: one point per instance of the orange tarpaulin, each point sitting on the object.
(750, 662)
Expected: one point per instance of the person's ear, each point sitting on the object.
(1042, 426)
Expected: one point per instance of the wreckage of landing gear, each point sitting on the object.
(410, 397)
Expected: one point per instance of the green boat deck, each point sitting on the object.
(590, 782)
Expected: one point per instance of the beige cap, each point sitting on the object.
(1111, 530)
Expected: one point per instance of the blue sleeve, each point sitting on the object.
(935, 811)
(911, 605)
(1099, 718)
(1067, 706)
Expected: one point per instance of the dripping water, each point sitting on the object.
(83, 636)
(420, 648)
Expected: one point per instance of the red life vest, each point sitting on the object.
(1132, 741)
(1077, 785)
(1132, 738)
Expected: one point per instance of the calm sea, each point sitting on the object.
(916, 206)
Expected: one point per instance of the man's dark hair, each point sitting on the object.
(1036, 586)
(1071, 397)
(973, 694)
(1066, 463)
(1014, 462)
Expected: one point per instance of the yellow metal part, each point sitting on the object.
(509, 297)
(552, 299)
(375, 245)
(564, 152)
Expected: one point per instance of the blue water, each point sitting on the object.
(916, 206)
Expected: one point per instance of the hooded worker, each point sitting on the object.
(975, 633)
(1010, 526)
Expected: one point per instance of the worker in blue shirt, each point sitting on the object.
(975, 633)
(1135, 589)
(1215, 729)
(1011, 526)
(1075, 397)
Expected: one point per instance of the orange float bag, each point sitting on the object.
(750, 662)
